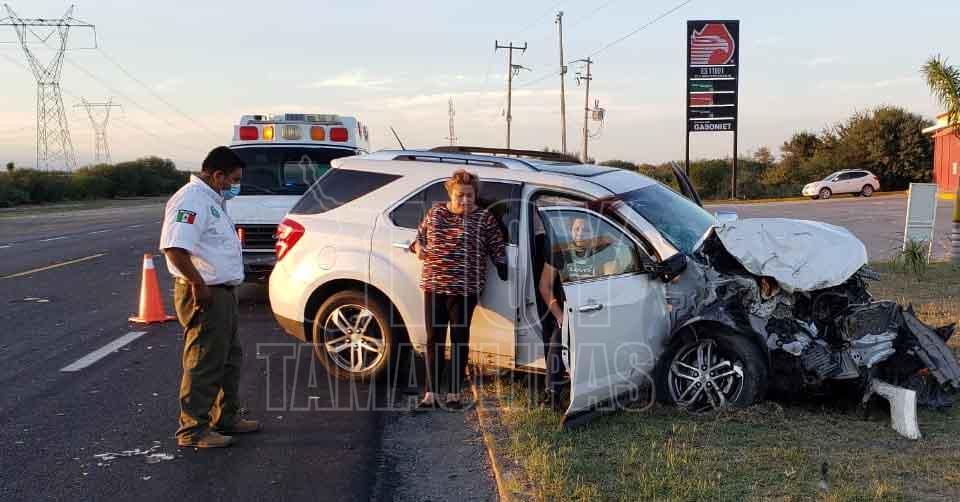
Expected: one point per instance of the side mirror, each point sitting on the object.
(725, 217)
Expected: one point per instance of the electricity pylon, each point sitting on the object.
(451, 113)
(99, 122)
(53, 133)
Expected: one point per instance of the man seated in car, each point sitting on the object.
(577, 256)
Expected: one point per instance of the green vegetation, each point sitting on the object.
(887, 141)
(773, 451)
(944, 82)
(148, 176)
(913, 258)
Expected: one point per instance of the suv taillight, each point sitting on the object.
(288, 233)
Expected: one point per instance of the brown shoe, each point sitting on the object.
(210, 439)
(241, 426)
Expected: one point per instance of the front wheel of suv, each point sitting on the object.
(352, 337)
(712, 372)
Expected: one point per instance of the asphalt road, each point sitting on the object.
(878, 221)
(68, 283)
(53, 423)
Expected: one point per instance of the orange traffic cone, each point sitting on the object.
(151, 305)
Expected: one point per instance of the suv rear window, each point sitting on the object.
(286, 170)
(338, 187)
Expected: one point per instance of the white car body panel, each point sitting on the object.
(613, 350)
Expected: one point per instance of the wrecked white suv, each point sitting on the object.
(710, 315)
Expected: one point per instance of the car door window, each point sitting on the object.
(501, 199)
(584, 246)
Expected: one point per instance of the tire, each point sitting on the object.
(352, 337)
(866, 191)
(680, 386)
(825, 193)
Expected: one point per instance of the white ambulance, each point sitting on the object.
(284, 155)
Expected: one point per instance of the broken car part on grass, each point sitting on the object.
(798, 289)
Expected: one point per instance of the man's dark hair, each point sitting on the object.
(222, 159)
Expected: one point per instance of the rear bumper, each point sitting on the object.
(292, 327)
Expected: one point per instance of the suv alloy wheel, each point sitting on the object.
(352, 337)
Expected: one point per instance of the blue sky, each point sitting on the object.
(804, 65)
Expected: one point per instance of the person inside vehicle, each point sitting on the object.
(577, 256)
(454, 241)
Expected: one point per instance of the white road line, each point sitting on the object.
(102, 352)
(54, 238)
(135, 226)
(100, 231)
(5, 246)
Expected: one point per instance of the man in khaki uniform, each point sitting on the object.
(203, 254)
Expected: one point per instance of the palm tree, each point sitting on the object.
(944, 82)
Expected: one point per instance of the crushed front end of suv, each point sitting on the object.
(798, 288)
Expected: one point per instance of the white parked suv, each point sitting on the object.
(855, 181)
(709, 314)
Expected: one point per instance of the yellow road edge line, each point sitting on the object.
(55, 265)
(489, 443)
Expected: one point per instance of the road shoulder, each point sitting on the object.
(436, 455)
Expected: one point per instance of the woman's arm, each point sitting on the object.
(547, 277)
(419, 245)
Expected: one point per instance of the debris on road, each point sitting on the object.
(150, 456)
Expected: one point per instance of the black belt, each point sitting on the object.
(227, 287)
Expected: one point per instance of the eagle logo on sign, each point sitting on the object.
(712, 45)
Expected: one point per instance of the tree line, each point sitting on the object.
(887, 141)
(148, 176)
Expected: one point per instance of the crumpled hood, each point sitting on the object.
(801, 255)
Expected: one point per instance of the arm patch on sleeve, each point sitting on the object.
(184, 216)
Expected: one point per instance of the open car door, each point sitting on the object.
(686, 186)
(615, 317)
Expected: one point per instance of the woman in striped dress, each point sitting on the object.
(454, 241)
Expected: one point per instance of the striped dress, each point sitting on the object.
(456, 248)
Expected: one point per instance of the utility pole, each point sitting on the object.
(511, 68)
(102, 148)
(452, 136)
(563, 94)
(586, 105)
(53, 133)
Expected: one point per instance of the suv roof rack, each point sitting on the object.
(534, 154)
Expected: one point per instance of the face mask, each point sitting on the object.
(231, 192)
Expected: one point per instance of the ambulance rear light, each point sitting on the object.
(249, 133)
(268, 133)
(241, 234)
(339, 134)
(318, 133)
(288, 233)
(291, 131)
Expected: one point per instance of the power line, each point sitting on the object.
(155, 94)
(611, 44)
(121, 118)
(642, 27)
(539, 18)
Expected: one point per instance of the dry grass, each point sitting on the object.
(769, 452)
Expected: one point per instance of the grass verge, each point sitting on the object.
(771, 451)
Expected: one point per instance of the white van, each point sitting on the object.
(284, 155)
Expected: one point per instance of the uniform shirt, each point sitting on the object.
(456, 248)
(196, 221)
